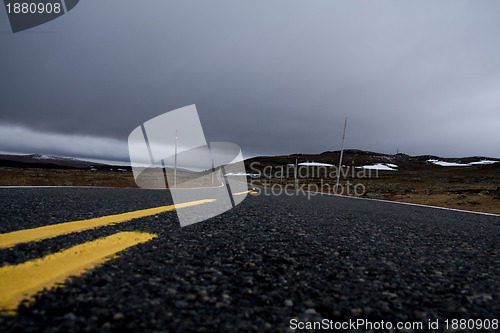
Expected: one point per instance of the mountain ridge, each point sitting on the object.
(351, 157)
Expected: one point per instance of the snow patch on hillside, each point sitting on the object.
(484, 162)
(316, 164)
(452, 164)
(381, 166)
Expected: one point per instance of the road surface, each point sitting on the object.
(271, 264)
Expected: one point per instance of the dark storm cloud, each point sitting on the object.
(274, 77)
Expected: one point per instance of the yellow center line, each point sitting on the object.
(29, 235)
(239, 193)
(21, 281)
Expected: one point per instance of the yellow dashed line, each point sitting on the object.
(21, 281)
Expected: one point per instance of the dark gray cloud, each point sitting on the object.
(274, 77)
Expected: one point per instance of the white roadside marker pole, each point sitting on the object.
(296, 166)
(340, 162)
(175, 161)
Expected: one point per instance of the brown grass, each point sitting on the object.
(13, 176)
(65, 177)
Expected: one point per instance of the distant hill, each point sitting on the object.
(54, 162)
(355, 157)
(351, 157)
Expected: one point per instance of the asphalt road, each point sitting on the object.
(258, 266)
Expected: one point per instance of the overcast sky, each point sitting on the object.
(275, 77)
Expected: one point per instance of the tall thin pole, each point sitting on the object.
(296, 166)
(175, 161)
(341, 154)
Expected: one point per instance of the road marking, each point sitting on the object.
(29, 235)
(240, 193)
(412, 204)
(400, 202)
(21, 281)
(249, 191)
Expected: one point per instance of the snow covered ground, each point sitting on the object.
(381, 166)
(443, 163)
(484, 162)
(316, 164)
